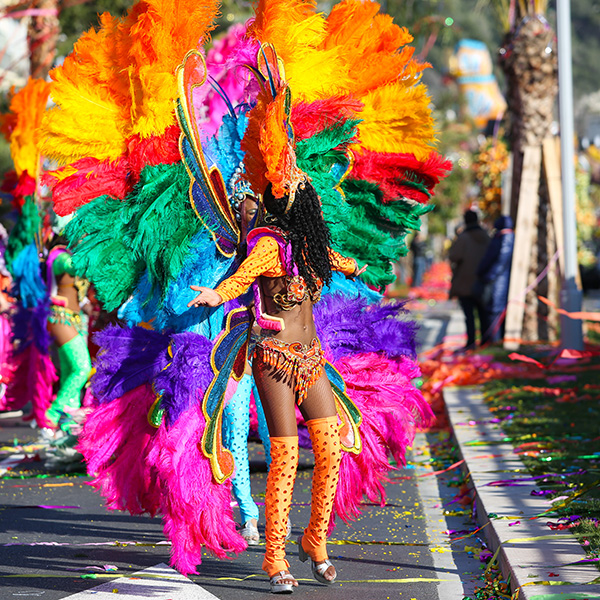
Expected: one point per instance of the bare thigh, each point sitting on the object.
(319, 402)
(278, 400)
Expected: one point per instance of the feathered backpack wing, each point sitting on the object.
(208, 194)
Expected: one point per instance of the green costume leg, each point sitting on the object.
(75, 367)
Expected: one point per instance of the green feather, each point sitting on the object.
(164, 223)
(374, 233)
(151, 230)
(97, 233)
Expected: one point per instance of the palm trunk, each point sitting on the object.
(42, 37)
(529, 61)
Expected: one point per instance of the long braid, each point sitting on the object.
(308, 233)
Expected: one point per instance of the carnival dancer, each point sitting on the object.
(236, 426)
(67, 329)
(32, 373)
(151, 217)
(293, 259)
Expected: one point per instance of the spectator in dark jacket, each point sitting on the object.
(418, 247)
(494, 272)
(465, 255)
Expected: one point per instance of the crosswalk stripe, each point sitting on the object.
(159, 582)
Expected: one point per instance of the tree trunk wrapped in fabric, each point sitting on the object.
(529, 60)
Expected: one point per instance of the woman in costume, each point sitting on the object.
(67, 329)
(151, 217)
(293, 260)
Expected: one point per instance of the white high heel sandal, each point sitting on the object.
(277, 583)
(318, 569)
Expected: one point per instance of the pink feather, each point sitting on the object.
(5, 349)
(197, 510)
(392, 408)
(115, 443)
(226, 62)
(142, 469)
(33, 377)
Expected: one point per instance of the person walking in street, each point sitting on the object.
(465, 255)
(494, 273)
(418, 247)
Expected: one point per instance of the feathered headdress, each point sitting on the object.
(269, 141)
(348, 101)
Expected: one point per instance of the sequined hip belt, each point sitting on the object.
(66, 316)
(301, 363)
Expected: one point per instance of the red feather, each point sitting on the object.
(95, 178)
(396, 174)
(308, 118)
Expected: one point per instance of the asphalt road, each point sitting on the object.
(58, 541)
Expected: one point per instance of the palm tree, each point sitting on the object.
(529, 61)
(42, 36)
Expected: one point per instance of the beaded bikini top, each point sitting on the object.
(296, 293)
(296, 290)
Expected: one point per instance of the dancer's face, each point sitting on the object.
(248, 212)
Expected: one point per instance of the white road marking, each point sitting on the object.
(159, 583)
(454, 586)
(6, 464)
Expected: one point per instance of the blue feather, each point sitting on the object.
(28, 278)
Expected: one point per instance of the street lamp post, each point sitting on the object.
(571, 330)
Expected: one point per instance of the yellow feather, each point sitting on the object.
(397, 119)
(297, 33)
(120, 80)
(92, 98)
(371, 45)
(163, 32)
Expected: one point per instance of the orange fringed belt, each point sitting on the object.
(298, 362)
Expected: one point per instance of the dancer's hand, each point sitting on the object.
(361, 270)
(206, 297)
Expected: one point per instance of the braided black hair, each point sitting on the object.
(308, 233)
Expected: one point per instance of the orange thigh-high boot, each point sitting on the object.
(278, 499)
(325, 438)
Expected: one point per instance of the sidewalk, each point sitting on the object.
(538, 562)
(536, 559)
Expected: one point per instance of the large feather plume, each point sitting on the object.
(20, 124)
(91, 93)
(297, 32)
(397, 118)
(120, 80)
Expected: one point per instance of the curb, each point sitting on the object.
(538, 561)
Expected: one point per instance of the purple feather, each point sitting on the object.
(128, 358)
(350, 325)
(115, 442)
(30, 325)
(189, 373)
